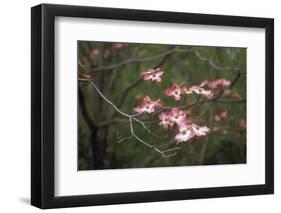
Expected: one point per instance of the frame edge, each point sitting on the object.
(36, 85)
(269, 116)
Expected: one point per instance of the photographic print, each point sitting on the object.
(156, 105)
(113, 95)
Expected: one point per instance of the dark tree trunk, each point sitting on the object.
(98, 137)
(98, 147)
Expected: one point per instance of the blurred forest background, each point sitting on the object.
(115, 68)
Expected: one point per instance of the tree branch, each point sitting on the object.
(114, 119)
(140, 60)
(131, 118)
(211, 62)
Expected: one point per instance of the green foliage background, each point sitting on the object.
(222, 147)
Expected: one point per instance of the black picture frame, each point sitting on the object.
(43, 105)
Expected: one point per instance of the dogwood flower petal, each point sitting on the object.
(185, 134)
(148, 105)
(175, 91)
(153, 75)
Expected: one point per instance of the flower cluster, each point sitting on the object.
(153, 74)
(187, 129)
(176, 118)
(148, 105)
(176, 91)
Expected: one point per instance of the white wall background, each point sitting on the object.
(15, 106)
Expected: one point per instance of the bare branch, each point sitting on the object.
(152, 156)
(211, 62)
(131, 118)
(141, 60)
(239, 101)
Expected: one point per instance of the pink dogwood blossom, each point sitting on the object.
(186, 90)
(199, 131)
(224, 115)
(153, 75)
(221, 116)
(178, 116)
(219, 83)
(242, 123)
(206, 93)
(94, 53)
(189, 131)
(199, 91)
(148, 105)
(185, 133)
(175, 90)
(119, 45)
(165, 120)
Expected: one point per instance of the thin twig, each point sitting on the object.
(211, 62)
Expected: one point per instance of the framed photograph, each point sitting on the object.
(140, 106)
